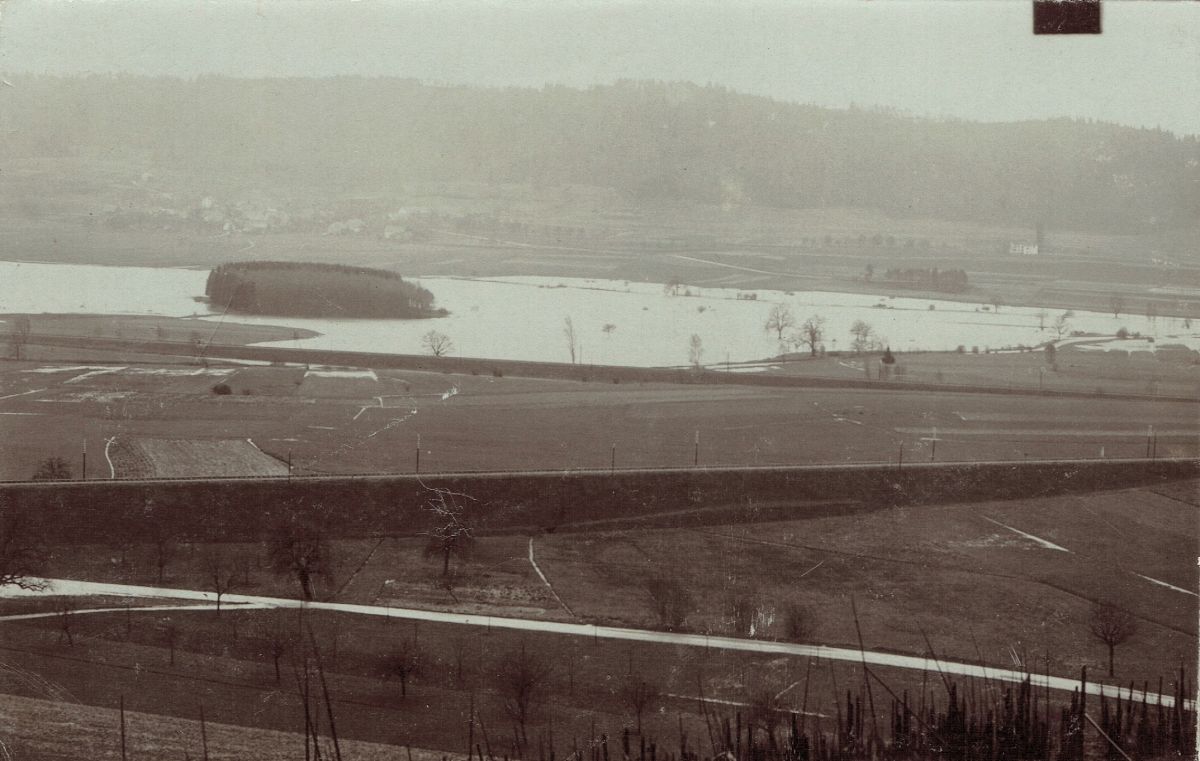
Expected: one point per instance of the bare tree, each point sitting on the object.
(862, 333)
(696, 352)
(1112, 626)
(637, 695)
(1042, 315)
(403, 661)
(165, 539)
(1062, 323)
(672, 602)
(780, 319)
(672, 287)
(522, 679)
(810, 334)
(299, 549)
(219, 571)
(572, 339)
(436, 343)
(18, 337)
(1116, 302)
(451, 534)
(797, 623)
(66, 612)
(170, 636)
(21, 556)
(280, 641)
(763, 708)
(53, 469)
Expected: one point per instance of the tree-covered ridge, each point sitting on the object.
(302, 289)
(647, 140)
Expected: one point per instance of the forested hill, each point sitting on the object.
(648, 140)
(300, 289)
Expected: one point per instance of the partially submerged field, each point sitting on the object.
(354, 420)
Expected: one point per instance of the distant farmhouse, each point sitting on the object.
(1024, 249)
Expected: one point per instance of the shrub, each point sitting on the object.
(497, 372)
(1122, 332)
(961, 349)
(222, 389)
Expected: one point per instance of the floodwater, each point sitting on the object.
(614, 322)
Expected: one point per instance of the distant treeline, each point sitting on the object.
(932, 279)
(647, 140)
(299, 289)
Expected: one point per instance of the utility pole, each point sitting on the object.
(417, 469)
(289, 464)
(900, 462)
(613, 461)
(696, 453)
(83, 469)
(933, 441)
(1149, 440)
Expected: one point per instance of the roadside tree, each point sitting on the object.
(671, 602)
(219, 572)
(299, 549)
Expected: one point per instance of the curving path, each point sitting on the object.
(72, 588)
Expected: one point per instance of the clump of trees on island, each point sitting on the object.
(303, 289)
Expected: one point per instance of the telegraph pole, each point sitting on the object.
(613, 461)
(289, 464)
(900, 462)
(417, 469)
(1149, 440)
(696, 452)
(83, 469)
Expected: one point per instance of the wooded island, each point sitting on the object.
(306, 289)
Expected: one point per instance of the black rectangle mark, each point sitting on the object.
(1066, 16)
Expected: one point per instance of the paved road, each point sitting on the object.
(68, 587)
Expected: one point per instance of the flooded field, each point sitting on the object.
(613, 322)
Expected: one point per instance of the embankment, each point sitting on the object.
(363, 506)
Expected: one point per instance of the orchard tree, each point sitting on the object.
(21, 556)
(1112, 626)
(780, 319)
(452, 534)
(53, 469)
(522, 679)
(637, 695)
(1116, 302)
(219, 571)
(403, 661)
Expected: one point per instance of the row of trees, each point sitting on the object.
(811, 333)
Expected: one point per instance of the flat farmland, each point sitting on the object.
(348, 420)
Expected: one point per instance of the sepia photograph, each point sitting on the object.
(599, 380)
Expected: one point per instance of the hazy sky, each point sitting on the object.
(975, 59)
